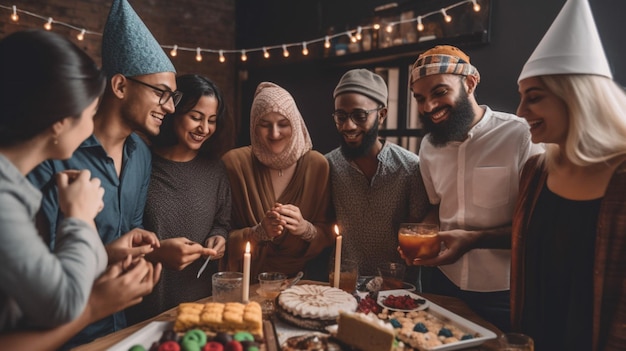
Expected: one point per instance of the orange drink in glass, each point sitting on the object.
(348, 275)
(419, 240)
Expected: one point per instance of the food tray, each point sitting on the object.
(152, 332)
(484, 334)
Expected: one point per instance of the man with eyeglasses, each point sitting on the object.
(471, 159)
(375, 184)
(141, 90)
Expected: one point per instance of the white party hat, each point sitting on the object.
(570, 46)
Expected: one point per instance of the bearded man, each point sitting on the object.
(470, 159)
(375, 184)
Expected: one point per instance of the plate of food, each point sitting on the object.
(401, 300)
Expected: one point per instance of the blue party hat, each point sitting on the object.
(128, 47)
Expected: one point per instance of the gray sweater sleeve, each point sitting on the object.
(42, 288)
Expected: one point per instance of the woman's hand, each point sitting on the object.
(217, 243)
(80, 196)
(137, 242)
(291, 215)
(272, 223)
(178, 253)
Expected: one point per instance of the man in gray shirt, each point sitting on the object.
(375, 184)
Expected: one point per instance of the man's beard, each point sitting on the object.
(369, 139)
(455, 127)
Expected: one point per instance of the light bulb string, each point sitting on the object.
(265, 48)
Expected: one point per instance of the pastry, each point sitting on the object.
(313, 306)
(365, 332)
(218, 317)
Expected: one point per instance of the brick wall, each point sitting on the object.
(186, 23)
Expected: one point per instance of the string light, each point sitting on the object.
(81, 35)
(48, 24)
(327, 42)
(305, 50)
(476, 6)
(420, 25)
(445, 15)
(352, 38)
(14, 16)
(354, 34)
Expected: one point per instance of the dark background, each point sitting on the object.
(515, 29)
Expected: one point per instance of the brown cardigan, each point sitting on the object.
(253, 195)
(609, 301)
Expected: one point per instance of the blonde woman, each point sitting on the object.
(569, 229)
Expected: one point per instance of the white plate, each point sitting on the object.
(382, 295)
(145, 336)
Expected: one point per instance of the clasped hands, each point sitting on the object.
(282, 217)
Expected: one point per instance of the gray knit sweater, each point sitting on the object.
(190, 199)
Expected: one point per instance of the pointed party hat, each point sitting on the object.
(128, 47)
(570, 46)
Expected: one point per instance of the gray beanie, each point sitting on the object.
(363, 82)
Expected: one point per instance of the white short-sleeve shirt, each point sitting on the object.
(475, 183)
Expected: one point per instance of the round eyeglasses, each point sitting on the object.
(164, 94)
(357, 116)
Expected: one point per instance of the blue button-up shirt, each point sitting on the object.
(124, 201)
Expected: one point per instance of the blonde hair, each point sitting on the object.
(597, 118)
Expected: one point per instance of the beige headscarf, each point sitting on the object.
(269, 97)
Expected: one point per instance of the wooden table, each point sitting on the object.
(450, 303)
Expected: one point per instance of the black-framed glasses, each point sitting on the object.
(165, 95)
(357, 116)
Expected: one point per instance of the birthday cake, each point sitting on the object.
(314, 306)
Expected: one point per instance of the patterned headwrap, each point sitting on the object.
(443, 59)
(269, 97)
(128, 47)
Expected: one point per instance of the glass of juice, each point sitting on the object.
(419, 240)
(348, 274)
(270, 284)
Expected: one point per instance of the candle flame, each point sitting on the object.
(337, 230)
(248, 247)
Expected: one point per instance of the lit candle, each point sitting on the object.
(337, 258)
(246, 274)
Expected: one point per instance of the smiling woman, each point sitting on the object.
(188, 202)
(280, 189)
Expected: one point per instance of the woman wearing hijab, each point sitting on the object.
(280, 189)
